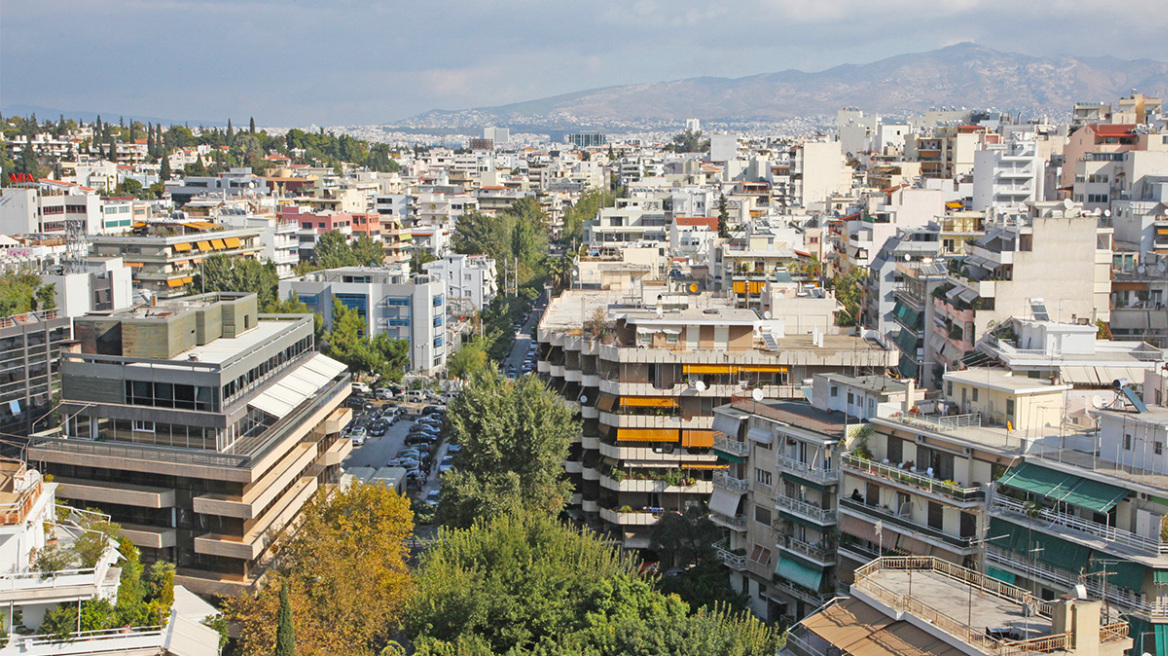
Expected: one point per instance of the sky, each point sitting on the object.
(347, 62)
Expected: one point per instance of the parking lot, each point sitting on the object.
(377, 451)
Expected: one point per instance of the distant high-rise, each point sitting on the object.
(693, 125)
(498, 135)
(584, 140)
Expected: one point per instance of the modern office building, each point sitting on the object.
(30, 353)
(412, 308)
(199, 426)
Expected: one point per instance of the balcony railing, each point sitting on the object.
(737, 522)
(885, 515)
(730, 559)
(913, 479)
(730, 483)
(822, 552)
(1046, 518)
(809, 470)
(822, 515)
(733, 447)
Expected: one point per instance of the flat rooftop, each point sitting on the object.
(1003, 380)
(224, 348)
(800, 415)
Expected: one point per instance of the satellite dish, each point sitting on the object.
(1068, 203)
(1142, 269)
(1098, 402)
(1106, 212)
(907, 257)
(700, 386)
(756, 394)
(767, 314)
(583, 399)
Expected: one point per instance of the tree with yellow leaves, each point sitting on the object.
(346, 576)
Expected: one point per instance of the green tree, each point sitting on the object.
(723, 218)
(164, 169)
(682, 538)
(347, 341)
(333, 250)
(418, 258)
(220, 273)
(849, 292)
(690, 141)
(45, 297)
(368, 252)
(514, 437)
(391, 357)
(285, 633)
(251, 125)
(585, 209)
(470, 358)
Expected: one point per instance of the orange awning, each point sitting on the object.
(174, 282)
(179, 263)
(646, 435)
(709, 369)
(1162, 231)
(763, 368)
(188, 280)
(135, 265)
(218, 244)
(181, 248)
(702, 465)
(756, 286)
(233, 242)
(204, 246)
(739, 286)
(697, 438)
(954, 205)
(649, 402)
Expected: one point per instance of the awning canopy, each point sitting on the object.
(763, 368)
(1160, 577)
(798, 572)
(204, 246)
(605, 402)
(760, 435)
(218, 244)
(697, 438)
(1125, 574)
(1000, 574)
(725, 502)
(1029, 477)
(1046, 549)
(303, 382)
(1096, 496)
(233, 242)
(709, 369)
(857, 528)
(649, 401)
(1068, 488)
(181, 248)
(647, 435)
(727, 425)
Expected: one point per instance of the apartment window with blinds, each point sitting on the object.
(762, 515)
(762, 476)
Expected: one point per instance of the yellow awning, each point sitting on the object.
(218, 244)
(232, 242)
(702, 465)
(649, 402)
(204, 246)
(697, 438)
(646, 435)
(739, 286)
(954, 205)
(179, 263)
(1162, 231)
(181, 248)
(756, 286)
(763, 368)
(709, 369)
(175, 282)
(188, 280)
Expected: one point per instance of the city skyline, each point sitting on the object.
(371, 62)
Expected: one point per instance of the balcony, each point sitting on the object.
(963, 545)
(736, 562)
(815, 599)
(822, 552)
(664, 454)
(628, 420)
(807, 470)
(735, 523)
(880, 471)
(732, 446)
(629, 518)
(1006, 507)
(723, 479)
(804, 509)
(653, 486)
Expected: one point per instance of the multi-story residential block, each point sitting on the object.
(912, 318)
(647, 375)
(95, 283)
(1008, 175)
(470, 281)
(910, 248)
(239, 182)
(46, 206)
(165, 256)
(818, 170)
(627, 226)
(313, 225)
(30, 355)
(406, 307)
(278, 236)
(199, 426)
(945, 152)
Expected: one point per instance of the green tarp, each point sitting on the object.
(1096, 496)
(799, 573)
(1161, 639)
(1143, 638)
(1043, 548)
(1000, 574)
(907, 315)
(1160, 577)
(1029, 477)
(729, 456)
(1125, 574)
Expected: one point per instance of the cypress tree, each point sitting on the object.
(251, 125)
(113, 152)
(164, 170)
(285, 636)
(230, 133)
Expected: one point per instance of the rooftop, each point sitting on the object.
(1003, 380)
(224, 348)
(869, 383)
(802, 415)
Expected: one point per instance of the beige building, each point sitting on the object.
(199, 426)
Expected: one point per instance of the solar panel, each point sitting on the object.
(1038, 309)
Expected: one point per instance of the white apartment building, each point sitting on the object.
(1007, 175)
(278, 236)
(388, 301)
(470, 281)
(47, 206)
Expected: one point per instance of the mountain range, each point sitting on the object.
(961, 75)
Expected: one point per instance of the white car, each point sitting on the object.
(358, 436)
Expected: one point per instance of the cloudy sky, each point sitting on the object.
(293, 62)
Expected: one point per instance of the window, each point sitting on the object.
(975, 395)
(760, 555)
(1127, 442)
(1158, 447)
(143, 426)
(1096, 198)
(949, 388)
(834, 391)
(762, 515)
(851, 398)
(762, 476)
(936, 515)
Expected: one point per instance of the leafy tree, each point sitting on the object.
(682, 538)
(418, 258)
(519, 233)
(723, 218)
(220, 273)
(849, 292)
(514, 437)
(333, 250)
(705, 585)
(18, 292)
(290, 305)
(45, 297)
(391, 356)
(469, 359)
(590, 202)
(368, 252)
(690, 141)
(347, 341)
(285, 633)
(346, 575)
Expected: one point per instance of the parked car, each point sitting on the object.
(360, 388)
(410, 452)
(383, 393)
(414, 396)
(434, 496)
(357, 435)
(416, 438)
(379, 428)
(407, 463)
(359, 404)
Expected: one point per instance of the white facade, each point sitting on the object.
(1007, 175)
(470, 281)
(278, 235)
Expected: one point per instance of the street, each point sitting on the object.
(523, 340)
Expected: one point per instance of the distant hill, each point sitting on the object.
(89, 117)
(965, 74)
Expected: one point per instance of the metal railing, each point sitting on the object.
(1006, 506)
(824, 515)
(886, 514)
(737, 521)
(808, 470)
(730, 482)
(733, 447)
(913, 479)
(824, 552)
(729, 558)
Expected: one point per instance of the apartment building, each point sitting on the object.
(165, 256)
(777, 501)
(30, 354)
(647, 372)
(912, 318)
(278, 238)
(48, 205)
(238, 182)
(470, 281)
(925, 605)
(1008, 175)
(313, 224)
(627, 226)
(406, 307)
(1052, 262)
(199, 426)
